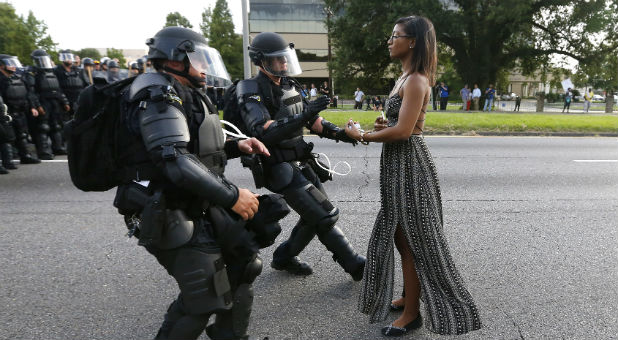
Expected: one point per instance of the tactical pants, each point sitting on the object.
(39, 130)
(55, 119)
(199, 269)
(20, 126)
(305, 194)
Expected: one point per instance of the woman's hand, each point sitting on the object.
(352, 131)
(380, 123)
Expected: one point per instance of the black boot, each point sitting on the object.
(285, 256)
(3, 171)
(22, 150)
(57, 144)
(336, 242)
(6, 150)
(43, 148)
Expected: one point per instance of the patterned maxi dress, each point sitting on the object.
(410, 196)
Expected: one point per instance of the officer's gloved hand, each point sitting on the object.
(314, 107)
(342, 136)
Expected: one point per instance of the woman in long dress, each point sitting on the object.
(411, 205)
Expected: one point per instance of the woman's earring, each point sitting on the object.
(410, 46)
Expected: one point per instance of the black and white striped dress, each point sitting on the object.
(410, 196)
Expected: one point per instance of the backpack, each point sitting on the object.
(231, 110)
(91, 136)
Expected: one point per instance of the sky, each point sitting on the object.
(114, 23)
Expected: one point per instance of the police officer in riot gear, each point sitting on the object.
(176, 142)
(274, 111)
(51, 103)
(87, 71)
(69, 77)
(21, 102)
(113, 71)
(133, 69)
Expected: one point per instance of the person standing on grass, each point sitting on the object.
(465, 98)
(489, 97)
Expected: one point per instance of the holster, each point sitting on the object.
(321, 171)
(254, 162)
(154, 218)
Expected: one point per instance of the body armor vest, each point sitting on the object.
(47, 84)
(210, 139)
(16, 94)
(290, 104)
(72, 80)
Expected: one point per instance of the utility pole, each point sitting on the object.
(329, 13)
(245, 39)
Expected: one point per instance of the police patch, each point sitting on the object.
(255, 97)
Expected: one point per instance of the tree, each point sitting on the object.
(486, 38)
(89, 52)
(176, 19)
(116, 53)
(218, 28)
(19, 36)
(602, 74)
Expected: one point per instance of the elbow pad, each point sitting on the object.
(189, 173)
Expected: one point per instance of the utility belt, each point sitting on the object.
(147, 217)
(298, 150)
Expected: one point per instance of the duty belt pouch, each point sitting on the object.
(154, 217)
(254, 162)
(320, 169)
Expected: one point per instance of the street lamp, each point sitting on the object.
(329, 13)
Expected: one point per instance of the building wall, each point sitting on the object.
(300, 22)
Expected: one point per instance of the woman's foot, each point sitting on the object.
(401, 327)
(397, 305)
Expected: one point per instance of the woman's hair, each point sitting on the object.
(425, 58)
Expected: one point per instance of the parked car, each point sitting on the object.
(508, 96)
(598, 98)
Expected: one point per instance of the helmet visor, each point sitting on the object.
(12, 61)
(207, 60)
(43, 61)
(282, 63)
(66, 57)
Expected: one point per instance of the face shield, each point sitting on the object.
(12, 62)
(66, 57)
(207, 60)
(43, 61)
(282, 63)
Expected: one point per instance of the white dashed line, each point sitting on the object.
(596, 160)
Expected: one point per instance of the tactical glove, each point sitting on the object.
(314, 107)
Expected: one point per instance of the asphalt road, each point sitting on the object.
(532, 229)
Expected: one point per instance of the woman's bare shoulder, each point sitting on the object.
(415, 82)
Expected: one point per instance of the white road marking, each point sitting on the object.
(596, 160)
(54, 161)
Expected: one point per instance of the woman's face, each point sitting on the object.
(399, 43)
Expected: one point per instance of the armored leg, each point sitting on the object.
(38, 129)
(55, 133)
(6, 151)
(233, 324)
(180, 325)
(21, 140)
(285, 256)
(336, 242)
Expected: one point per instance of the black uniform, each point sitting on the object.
(291, 169)
(52, 99)
(20, 99)
(175, 141)
(71, 83)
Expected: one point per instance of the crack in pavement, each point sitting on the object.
(521, 336)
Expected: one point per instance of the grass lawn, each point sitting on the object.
(466, 123)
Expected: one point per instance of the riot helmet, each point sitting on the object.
(66, 57)
(10, 63)
(270, 51)
(41, 59)
(87, 62)
(184, 45)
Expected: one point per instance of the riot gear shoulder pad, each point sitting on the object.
(147, 80)
(162, 125)
(247, 87)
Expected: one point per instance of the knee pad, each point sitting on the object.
(252, 270)
(44, 128)
(56, 127)
(203, 281)
(328, 222)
